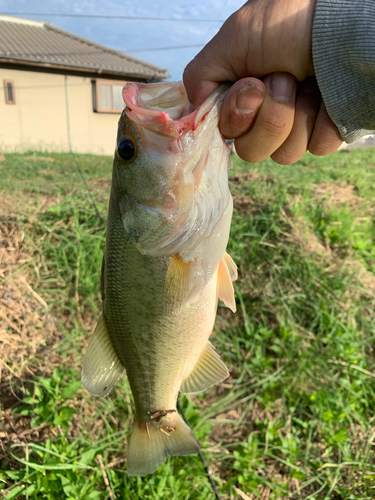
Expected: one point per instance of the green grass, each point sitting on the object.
(296, 419)
(46, 173)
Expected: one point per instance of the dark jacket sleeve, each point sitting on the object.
(344, 62)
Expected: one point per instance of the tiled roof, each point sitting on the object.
(40, 43)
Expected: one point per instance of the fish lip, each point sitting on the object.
(144, 111)
(171, 122)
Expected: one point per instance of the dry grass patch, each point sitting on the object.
(337, 194)
(25, 323)
(303, 235)
(26, 326)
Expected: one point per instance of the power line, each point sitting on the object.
(209, 28)
(172, 47)
(206, 469)
(130, 18)
(93, 52)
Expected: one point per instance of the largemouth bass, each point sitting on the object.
(165, 265)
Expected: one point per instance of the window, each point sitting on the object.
(10, 97)
(107, 96)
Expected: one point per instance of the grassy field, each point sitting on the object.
(296, 418)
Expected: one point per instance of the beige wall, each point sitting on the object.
(38, 120)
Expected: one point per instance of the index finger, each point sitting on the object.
(197, 87)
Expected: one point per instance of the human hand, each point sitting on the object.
(277, 117)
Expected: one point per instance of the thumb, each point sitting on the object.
(240, 107)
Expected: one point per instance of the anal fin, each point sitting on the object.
(208, 371)
(226, 274)
(101, 366)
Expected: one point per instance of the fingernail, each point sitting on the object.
(249, 99)
(282, 87)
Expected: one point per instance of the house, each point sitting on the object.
(62, 92)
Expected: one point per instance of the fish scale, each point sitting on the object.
(119, 297)
(164, 266)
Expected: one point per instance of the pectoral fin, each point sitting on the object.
(178, 282)
(101, 366)
(226, 274)
(208, 371)
(232, 268)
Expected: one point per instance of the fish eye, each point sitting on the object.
(126, 149)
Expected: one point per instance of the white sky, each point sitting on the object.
(125, 35)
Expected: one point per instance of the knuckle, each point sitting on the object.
(274, 125)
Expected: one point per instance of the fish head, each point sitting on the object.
(161, 156)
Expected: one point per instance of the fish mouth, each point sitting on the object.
(164, 108)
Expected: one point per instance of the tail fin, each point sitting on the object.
(150, 443)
